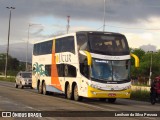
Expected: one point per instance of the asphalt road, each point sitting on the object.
(21, 100)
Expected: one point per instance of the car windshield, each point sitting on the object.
(110, 70)
(26, 75)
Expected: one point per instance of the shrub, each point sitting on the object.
(141, 95)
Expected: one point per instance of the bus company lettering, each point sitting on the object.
(60, 58)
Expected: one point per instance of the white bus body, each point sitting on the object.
(76, 65)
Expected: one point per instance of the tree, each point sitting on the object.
(13, 67)
(145, 64)
(140, 53)
(2, 62)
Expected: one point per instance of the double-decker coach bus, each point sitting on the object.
(83, 64)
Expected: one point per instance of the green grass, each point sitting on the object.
(9, 79)
(140, 95)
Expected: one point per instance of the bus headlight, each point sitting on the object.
(93, 92)
(128, 87)
(127, 93)
(94, 86)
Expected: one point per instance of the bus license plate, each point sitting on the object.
(112, 94)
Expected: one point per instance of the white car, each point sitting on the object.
(24, 79)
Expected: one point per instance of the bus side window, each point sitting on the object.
(70, 46)
(65, 44)
(58, 46)
(48, 70)
(70, 71)
(81, 42)
(84, 69)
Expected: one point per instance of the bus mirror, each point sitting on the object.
(136, 59)
(89, 58)
(88, 55)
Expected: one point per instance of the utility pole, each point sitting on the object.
(150, 71)
(30, 25)
(68, 21)
(104, 17)
(6, 65)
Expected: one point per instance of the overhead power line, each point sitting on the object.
(133, 27)
(136, 28)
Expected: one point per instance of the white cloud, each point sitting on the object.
(147, 33)
(146, 36)
(80, 28)
(136, 40)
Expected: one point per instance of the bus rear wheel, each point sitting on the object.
(111, 100)
(75, 94)
(69, 93)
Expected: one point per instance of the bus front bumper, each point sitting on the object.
(97, 93)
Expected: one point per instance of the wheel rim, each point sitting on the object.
(68, 92)
(44, 88)
(39, 89)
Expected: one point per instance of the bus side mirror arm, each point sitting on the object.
(136, 59)
(88, 55)
(89, 58)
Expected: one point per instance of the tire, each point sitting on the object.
(111, 100)
(44, 89)
(16, 86)
(21, 86)
(75, 94)
(40, 89)
(69, 93)
(102, 99)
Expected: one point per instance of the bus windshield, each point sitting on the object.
(108, 44)
(110, 70)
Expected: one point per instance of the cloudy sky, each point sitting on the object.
(139, 20)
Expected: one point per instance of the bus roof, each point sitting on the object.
(99, 32)
(78, 32)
